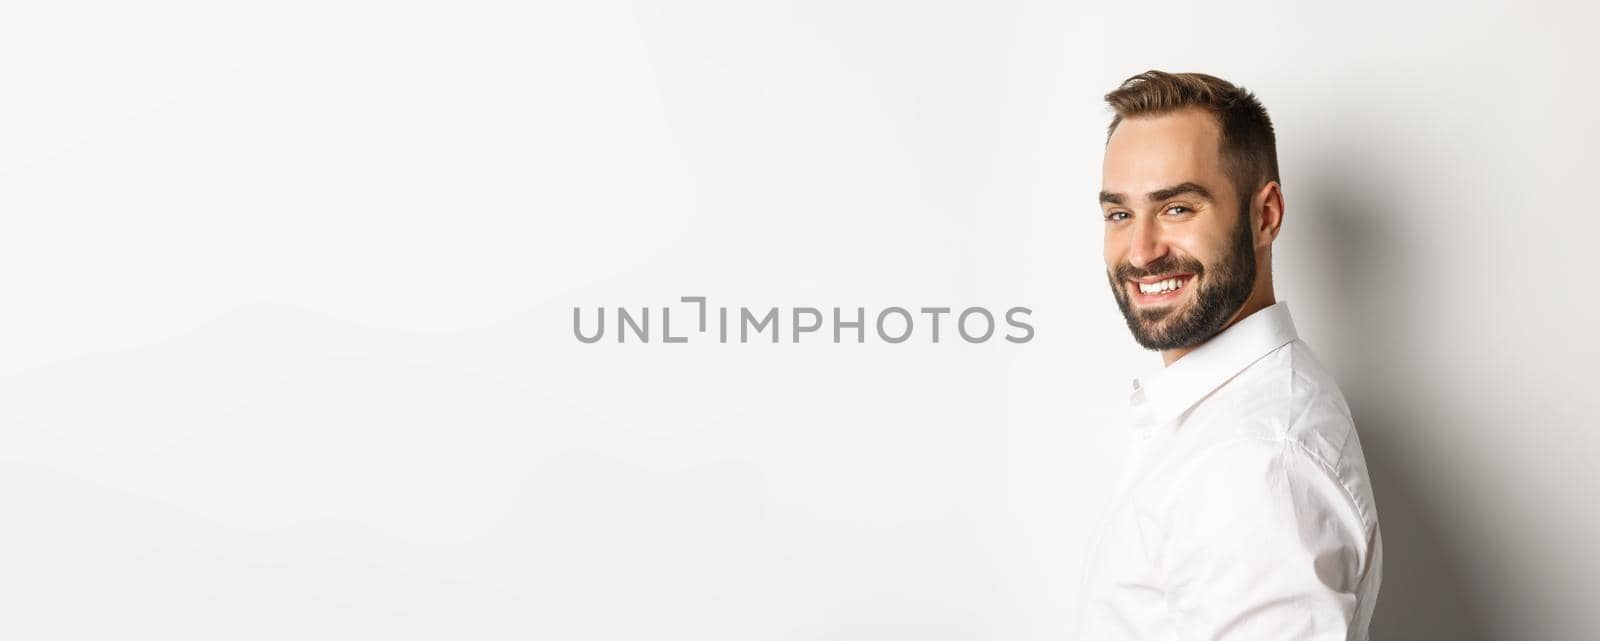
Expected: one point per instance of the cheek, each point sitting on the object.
(1215, 239)
(1113, 248)
(1201, 247)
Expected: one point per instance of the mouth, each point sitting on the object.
(1157, 290)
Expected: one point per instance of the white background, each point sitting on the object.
(286, 294)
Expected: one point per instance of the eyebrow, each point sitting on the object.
(1160, 194)
(1180, 188)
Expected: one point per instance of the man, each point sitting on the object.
(1244, 511)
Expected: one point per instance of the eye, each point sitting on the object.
(1178, 210)
(1116, 216)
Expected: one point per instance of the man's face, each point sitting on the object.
(1179, 249)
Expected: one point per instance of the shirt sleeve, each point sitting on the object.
(1262, 542)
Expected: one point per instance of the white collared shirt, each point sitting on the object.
(1244, 510)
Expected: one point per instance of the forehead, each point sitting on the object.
(1147, 153)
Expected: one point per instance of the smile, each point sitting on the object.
(1154, 290)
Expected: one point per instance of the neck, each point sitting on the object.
(1261, 299)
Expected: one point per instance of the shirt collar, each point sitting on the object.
(1168, 393)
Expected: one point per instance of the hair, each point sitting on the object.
(1248, 147)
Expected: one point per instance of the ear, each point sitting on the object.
(1269, 201)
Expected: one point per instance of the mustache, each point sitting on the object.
(1168, 264)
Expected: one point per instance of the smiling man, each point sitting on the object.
(1244, 510)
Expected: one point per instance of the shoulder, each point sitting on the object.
(1287, 396)
(1282, 419)
(1250, 487)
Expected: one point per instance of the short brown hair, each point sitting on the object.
(1249, 148)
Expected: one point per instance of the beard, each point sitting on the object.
(1220, 290)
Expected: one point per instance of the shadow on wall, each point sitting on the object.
(1362, 272)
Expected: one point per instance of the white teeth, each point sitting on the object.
(1159, 287)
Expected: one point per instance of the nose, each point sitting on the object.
(1148, 244)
